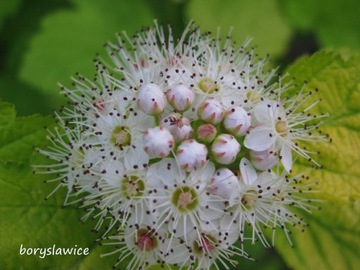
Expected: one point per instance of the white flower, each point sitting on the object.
(206, 250)
(74, 159)
(180, 201)
(138, 244)
(281, 128)
(191, 155)
(158, 142)
(225, 148)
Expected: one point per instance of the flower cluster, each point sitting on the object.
(182, 150)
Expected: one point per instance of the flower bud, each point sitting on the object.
(264, 160)
(180, 97)
(237, 121)
(158, 142)
(206, 133)
(224, 184)
(151, 99)
(211, 110)
(191, 155)
(178, 126)
(225, 148)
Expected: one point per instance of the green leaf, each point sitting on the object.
(259, 19)
(332, 241)
(69, 40)
(18, 135)
(27, 220)
(336, 23)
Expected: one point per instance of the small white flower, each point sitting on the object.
(237, 121)
(250, 206)
(191, 155)
(180, 201)
(151, 99)
(225, 148)
(281, 128)
(158, 142)
(207, 250)
(180, 97)
(139, 245)
(211, 111)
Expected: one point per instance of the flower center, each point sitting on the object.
(145, 240)
(132, 187)
(120, 137)
(205, 245)
(185, 199)
(248, 200)
(281, 127)
(207, 85)
(253, 96)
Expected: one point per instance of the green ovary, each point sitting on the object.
(185, 199)
(132, 187)
(120, 136)
(281, 127)
(248, 200)
(207, 85)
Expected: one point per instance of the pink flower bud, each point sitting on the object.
(237, 121)
(178, 126)
(180, 97)
(151, 99)
(225, 148)
(206, 133)
(211, 110)
(158, 142)
(191, 155)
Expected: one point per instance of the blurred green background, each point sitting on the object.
(43, 42)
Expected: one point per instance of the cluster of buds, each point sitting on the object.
(184, 150)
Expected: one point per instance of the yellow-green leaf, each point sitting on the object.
(333, 239)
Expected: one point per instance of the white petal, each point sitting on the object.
(248, 172)
(259, 138)
(265, 114)
(286, 159)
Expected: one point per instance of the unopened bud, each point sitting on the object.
(151, 99)
(225, 148)
(211, 110)
(178, 126)
(158, 142)
(237, 121)
(206, 133)
(264, 160)
(180, 97)
(225, 184)
(191, 155)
